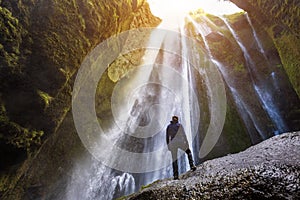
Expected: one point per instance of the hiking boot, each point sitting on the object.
(175, 177)
(193, 168)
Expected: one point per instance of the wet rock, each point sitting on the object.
(214, 36)
(268, 170)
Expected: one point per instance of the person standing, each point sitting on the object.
(176, 139)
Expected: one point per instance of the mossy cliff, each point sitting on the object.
(42, 45)
(281, 19)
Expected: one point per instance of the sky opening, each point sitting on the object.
(163, 8)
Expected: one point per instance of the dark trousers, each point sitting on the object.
(175, 163)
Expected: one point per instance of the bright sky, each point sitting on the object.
(161, 8)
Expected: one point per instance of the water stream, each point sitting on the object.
(143, 102)
(247, 112)
(261, 84)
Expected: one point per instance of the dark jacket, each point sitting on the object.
(176, 135)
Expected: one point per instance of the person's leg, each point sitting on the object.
(174, 164)
(191, 161)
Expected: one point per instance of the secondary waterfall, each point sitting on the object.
(261, 101)
(247, 112)
(262, 87)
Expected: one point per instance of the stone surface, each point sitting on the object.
(268, 170)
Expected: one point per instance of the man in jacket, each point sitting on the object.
(176, 139)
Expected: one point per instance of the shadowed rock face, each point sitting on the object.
(269, 170)
(42, 45)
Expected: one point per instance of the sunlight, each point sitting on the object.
(167, 8)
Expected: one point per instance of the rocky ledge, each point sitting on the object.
(268, 170)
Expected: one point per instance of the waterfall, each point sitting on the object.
(175, 70)
(215, 90)
(92, 180)
(245, 110)
(279, 82)
(261, 85)
(134, 146)
(257, 40)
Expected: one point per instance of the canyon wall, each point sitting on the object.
(42, 45)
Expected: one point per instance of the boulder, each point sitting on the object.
(268, 170)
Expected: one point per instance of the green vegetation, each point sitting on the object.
(288, 47)
(45, 97)
(18, 136)
(27, 139)
(10, 39)
(235, 17)
(234, 131)
(221, 41)
(149, 185)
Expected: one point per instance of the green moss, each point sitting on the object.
(288, 48)
(18, 136)
(27, 139)
(223, 51)
(7, 181)
(10, 39)
(123, 197)
(145, 186)
(234, 131)
(103, 99)
(47, 46)
(238, 67)
(45, 97)
(235, 17)
(216, 20)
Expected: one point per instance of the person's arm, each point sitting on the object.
(167, 135)
(168, 138)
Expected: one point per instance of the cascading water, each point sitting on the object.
(171, 68)
(140, 119)
(92, 180)
(257, 40)
(247, 112)
(266, 112)
(261, 84)
(277, 80)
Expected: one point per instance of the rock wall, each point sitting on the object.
(282, 21)
(42, 45)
